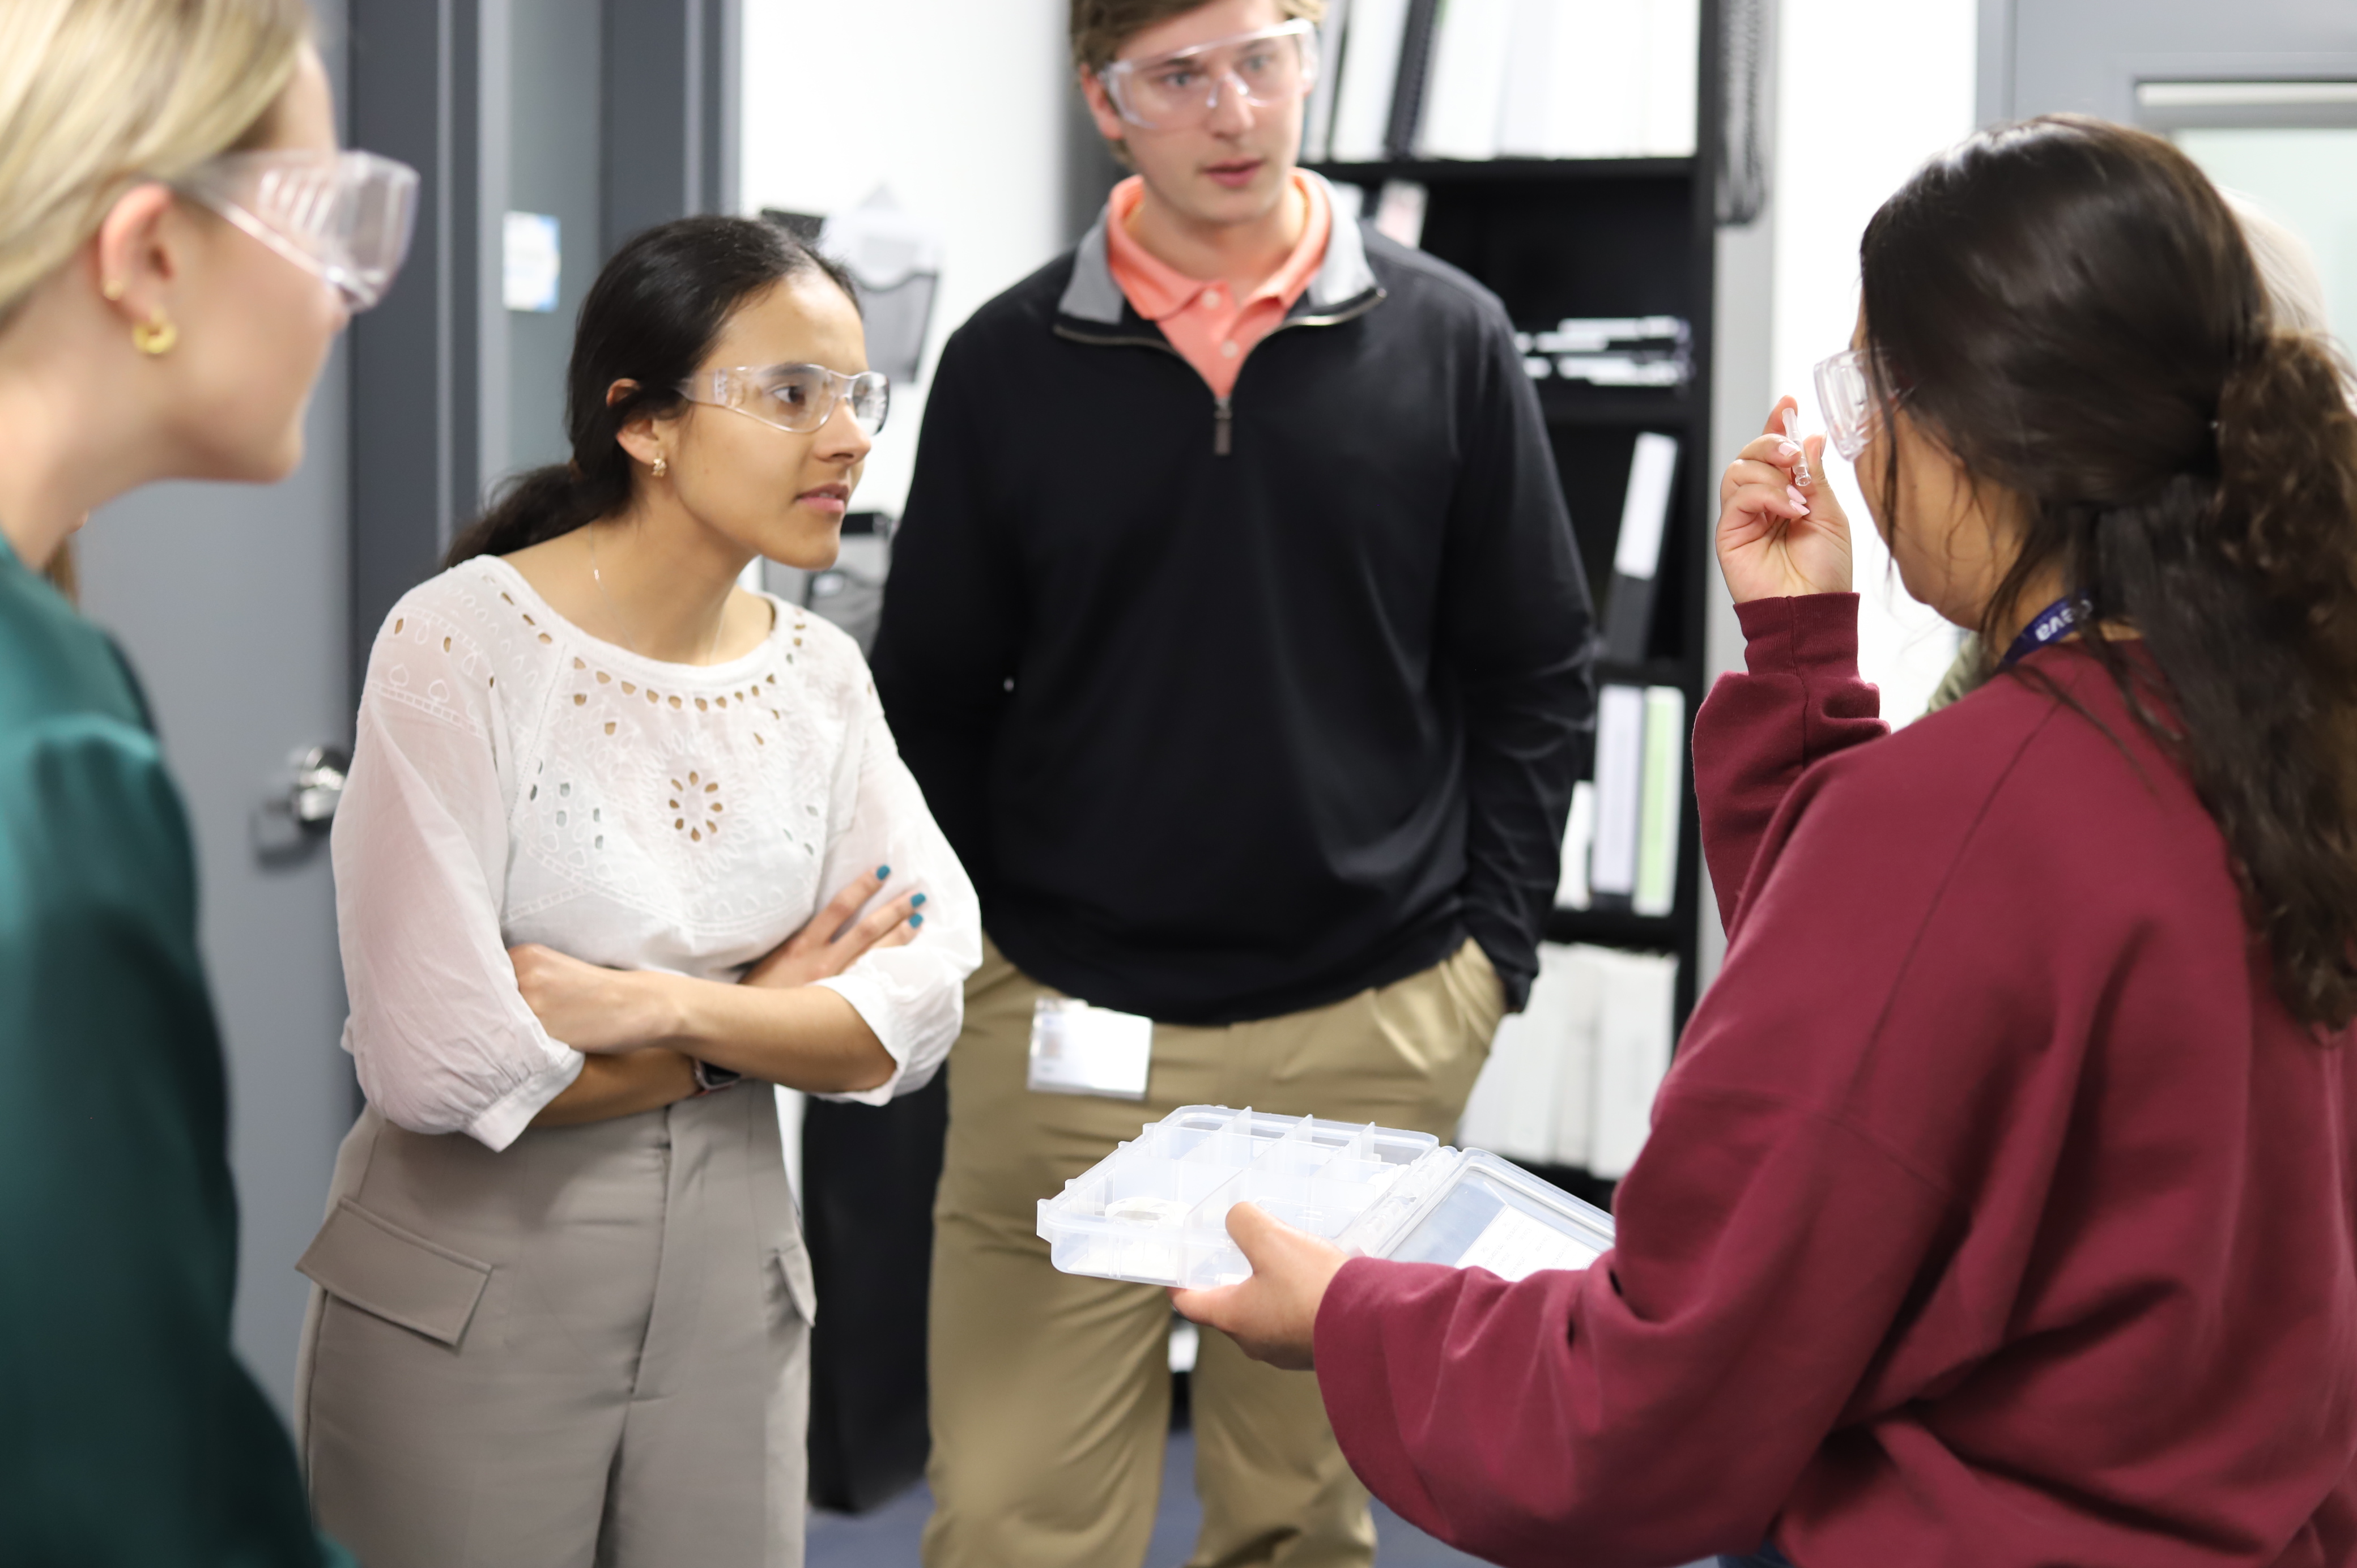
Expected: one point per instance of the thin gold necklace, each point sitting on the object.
(624, 627)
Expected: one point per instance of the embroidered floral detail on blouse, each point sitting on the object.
(696, 805)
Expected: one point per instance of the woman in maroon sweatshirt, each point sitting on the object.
(2001, 1207)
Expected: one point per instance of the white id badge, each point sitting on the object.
(1080, 1049)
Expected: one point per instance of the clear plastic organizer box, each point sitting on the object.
(1156, 1211)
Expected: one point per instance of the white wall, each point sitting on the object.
(1859, 92)
(1866, 91)
(956, 105)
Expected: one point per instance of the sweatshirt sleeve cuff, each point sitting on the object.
(1341, 1322)
(506, 1118)
(1347, 1340)
(1806, 631)
(1358, 1382)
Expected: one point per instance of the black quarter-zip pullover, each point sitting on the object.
(1238, 706)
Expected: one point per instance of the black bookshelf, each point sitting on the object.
(1608, 237)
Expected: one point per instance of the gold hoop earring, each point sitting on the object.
(155, 335)
(660, 467)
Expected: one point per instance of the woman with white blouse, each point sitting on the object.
(619, 833)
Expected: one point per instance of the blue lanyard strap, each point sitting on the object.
(2052, 624)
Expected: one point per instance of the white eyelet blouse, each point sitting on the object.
(517, 780)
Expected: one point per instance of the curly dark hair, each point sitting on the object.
(2070, 309)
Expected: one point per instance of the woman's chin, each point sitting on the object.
(806, 548)
(263, 462)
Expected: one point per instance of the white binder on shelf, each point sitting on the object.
(1599, 78)
(1620, 777)
(1362, 103)
(1637, 557)
(1571, 1078)
(1578, 837)
(1574, 985)
(1512, 1109)
(1669, 63)
(1399, 211)
(1645, 510)
(1636, 1009)
(1526, 93)
(1598, 94)
(1462, 99)
(1663, 791)
(1317, 116)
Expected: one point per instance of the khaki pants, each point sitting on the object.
(587, 1350)
(1050, 1391)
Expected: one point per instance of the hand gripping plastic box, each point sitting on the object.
(1156, 1211)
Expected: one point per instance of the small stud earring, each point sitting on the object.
(111, 289)
(661, 467)
(155, 335)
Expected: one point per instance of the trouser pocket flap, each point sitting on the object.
(397, 1274)
(793, 1267)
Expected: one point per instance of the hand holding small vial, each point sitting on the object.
(1801, 474)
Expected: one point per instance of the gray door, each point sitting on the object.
(234, 603)
(2039, 57)
(2261, 94)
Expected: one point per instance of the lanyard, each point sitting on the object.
(2051, 623)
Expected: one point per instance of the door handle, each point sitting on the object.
(316, 785)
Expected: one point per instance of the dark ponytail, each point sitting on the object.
(2070, 310)
(651, 317)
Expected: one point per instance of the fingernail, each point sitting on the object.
(1798, 500)
(1788, 448)
(916, 919)
(917, 900)
(882, 872)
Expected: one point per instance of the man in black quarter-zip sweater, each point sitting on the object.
(1252, 708)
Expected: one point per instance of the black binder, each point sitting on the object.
(1415, 72)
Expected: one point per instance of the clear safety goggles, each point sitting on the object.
(345, 217)
(800, 398)
(1179, 91)
(1845, 394)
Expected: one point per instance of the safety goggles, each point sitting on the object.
(1845, 394)
(1179, 91)
(800, 398)
(345, 217)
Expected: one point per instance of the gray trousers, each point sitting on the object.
(589, 1350)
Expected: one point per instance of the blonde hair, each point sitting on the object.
(98, 94)
(2288, 267)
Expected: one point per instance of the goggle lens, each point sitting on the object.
(345, 217)
(1846, 398)
(797, 398)
(1179, 90)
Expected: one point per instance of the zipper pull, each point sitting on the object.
(1223, 428)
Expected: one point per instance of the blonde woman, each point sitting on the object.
(179, 243)
(623, 845)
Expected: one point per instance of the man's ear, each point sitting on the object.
(1109, 124)
(134, 256)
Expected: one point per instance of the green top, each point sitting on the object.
(1965, 676)
(129, 1431)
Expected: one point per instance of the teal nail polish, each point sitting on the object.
(916, 919)
(882, 872)
(920, 898)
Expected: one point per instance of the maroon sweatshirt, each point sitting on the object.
(1995, 1214)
